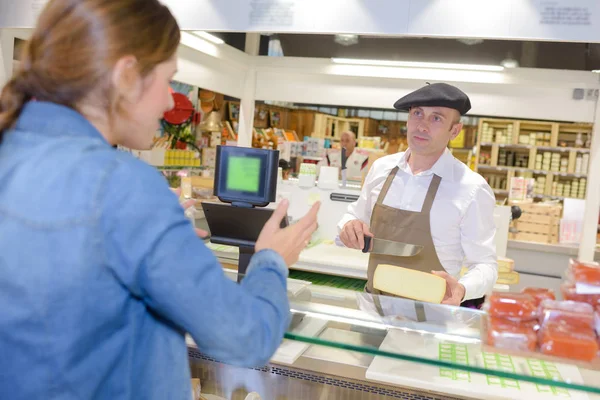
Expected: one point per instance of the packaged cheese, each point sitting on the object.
(539, 294)
(574, 316)
(560, 341)
(569, 292)
(505, 265)
(409, 283)
(511, 335)
(514, 306)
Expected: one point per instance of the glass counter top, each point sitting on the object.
(418, 344)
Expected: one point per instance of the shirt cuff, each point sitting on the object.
(268, 259)
(472, 288)
(345, 219)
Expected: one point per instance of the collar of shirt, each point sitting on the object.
(443, 166)
(55, 120)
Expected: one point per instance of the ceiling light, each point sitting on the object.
(470, 42)
(510, 63)
(196, 43)
(209, 37)
(416, 64)
(346, 40)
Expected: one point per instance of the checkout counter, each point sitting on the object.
(339, 346)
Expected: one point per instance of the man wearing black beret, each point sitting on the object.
(425, 196)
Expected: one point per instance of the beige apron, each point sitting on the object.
(404, 226)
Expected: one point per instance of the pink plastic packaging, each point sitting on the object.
(539, 294)
(573, 315)
(584, 272)
(511, 335)
(569, 293)
(561, 341)
(513, 306)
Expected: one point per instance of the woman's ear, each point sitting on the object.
(126, 79)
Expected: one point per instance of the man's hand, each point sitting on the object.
(353, 234)
(187, 204)
(455, 291)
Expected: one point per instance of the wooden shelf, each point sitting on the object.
(535, 171)
(562, 149)
(559, 132)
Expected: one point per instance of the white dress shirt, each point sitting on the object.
(462, 215)
(355, 163)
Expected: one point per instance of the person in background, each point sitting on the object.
(286, 169)
(101, 274)
(356, 162)
(426, 197)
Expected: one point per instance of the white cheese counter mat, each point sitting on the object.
(462, 383)
(324, 257)
(347, 262)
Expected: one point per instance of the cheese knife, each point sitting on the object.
(391, 248)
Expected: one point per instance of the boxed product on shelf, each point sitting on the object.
(197, 187)
(209, 157)
(539, 222)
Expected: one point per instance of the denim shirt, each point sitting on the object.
(101, 274)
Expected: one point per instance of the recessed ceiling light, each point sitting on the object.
(346, 40)
(417, 64)
(209, 37)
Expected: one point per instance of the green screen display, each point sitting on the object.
(243, 174)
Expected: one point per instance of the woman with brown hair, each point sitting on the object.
(101, 274)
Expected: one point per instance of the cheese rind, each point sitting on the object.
(409, 283)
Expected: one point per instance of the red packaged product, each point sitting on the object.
(539, 294)
(512, 335)
(575, 316)
(585, 272)
(515, 306)
(560, 341)
(569, 293)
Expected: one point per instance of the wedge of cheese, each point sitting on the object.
(409, 283)
(505, 265)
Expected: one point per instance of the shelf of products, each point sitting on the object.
(555, 154)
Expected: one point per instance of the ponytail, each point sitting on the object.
(12, 101)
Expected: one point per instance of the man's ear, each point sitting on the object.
(456, 128)
(126, 79)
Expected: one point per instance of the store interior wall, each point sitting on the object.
(523, 93)
(522, 97)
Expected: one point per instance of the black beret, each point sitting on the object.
(436, 95)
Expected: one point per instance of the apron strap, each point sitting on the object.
(431, 192)
(387, 184)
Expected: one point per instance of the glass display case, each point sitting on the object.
(350, 343)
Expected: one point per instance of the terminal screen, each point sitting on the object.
(243, 174)
(246, 176)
